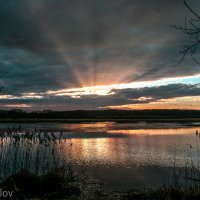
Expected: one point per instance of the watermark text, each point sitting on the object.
(5, 193)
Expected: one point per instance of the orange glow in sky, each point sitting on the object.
(104, 90)
(188, 103)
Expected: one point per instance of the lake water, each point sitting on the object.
(126, 155)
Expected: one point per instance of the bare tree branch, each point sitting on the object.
(191, 10)
(192, 29)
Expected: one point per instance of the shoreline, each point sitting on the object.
(156, 120)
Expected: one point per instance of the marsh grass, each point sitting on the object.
(187, 177)
(33, 164)
(37, 151)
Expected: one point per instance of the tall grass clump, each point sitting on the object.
(37, 151)
(187, 177)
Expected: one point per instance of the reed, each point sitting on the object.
(188, 176)
(38, 151)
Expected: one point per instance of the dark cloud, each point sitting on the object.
(161, 92)
(33, 24)
(56, 44)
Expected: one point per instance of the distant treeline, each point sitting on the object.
(100, 114)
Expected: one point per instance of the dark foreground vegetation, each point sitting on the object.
(100, 114)
(33, 166)
(76, 187)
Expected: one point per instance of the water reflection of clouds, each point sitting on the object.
(97, 135)
(131, 148)
(115, 132)
(179, 131)
(124, 144)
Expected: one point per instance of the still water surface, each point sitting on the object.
(126, 155)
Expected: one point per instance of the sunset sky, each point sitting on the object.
(95, 54)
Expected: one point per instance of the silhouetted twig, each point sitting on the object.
(192, 29)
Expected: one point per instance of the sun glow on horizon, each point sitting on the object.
(77, 92)
(93, 92)
(105, 90)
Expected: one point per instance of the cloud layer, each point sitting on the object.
(59, 44)
(117, 98)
